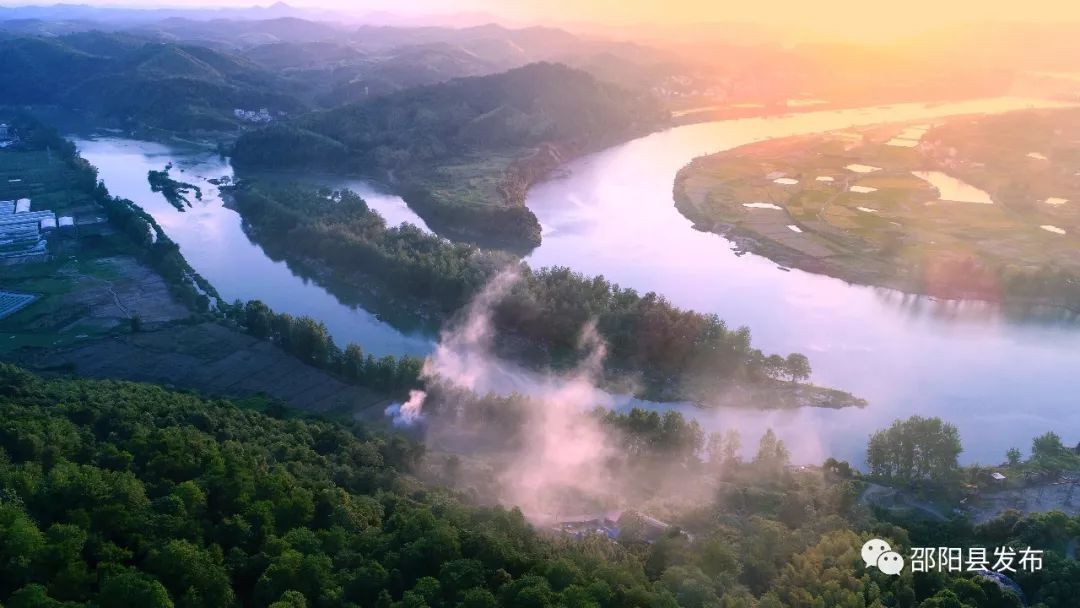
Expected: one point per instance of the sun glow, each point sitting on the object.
(837, 20)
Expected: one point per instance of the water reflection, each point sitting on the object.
(391, 207)
(953, 189)
(998, 380)
(213, 239)
(977, 311)
(613, 214)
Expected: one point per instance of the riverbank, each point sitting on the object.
(712, 112)
(782, 395)
(111, 296)
(880, 206)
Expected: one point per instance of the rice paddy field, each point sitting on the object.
(871, 208)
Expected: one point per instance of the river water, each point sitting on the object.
(212, 238)
(1000, 381)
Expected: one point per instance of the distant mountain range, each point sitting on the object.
(282, 63)
(86, 12)
(138, 82)
(127, 16)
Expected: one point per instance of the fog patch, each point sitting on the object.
(545, 450)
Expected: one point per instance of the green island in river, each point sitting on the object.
(120, 301)
(971, 207)
(654, 349)
(174, 191)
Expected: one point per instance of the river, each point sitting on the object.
(1000, 381)
(212, 238)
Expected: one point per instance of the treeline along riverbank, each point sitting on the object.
(672, 353)
(150, 243)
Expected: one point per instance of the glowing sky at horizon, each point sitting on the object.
(856, 17)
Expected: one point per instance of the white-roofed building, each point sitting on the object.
(30, 217)
(21, 235)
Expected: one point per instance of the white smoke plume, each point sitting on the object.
(560, 457)
(547, 453)
(410, 412)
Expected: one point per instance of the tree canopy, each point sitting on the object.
(916, 449)
(115, 494)
(677, 353)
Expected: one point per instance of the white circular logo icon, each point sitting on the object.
(873, 549)
(890, 562)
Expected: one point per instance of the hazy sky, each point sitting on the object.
(884, 17)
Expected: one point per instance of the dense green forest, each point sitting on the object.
(116, 494)
(676, 353)
(138, 82)
(464, 151)
(917, 449)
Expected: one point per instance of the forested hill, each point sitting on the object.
(136, 81)
(463, 151)
(119, 495)
(536, 104)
